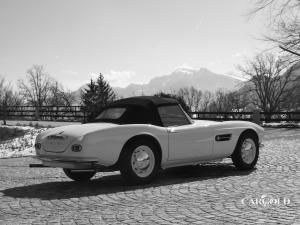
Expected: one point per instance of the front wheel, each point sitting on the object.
(79, 175)
(246, 153)
(140, 162)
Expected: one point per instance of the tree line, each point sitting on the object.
(271, 85)
(36, 89)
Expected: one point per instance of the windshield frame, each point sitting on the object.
(184, 114)
(111, 118)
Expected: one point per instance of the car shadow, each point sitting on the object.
(113, 183)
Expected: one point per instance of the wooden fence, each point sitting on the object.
(45, 113)
(74, 113)
(248, 116)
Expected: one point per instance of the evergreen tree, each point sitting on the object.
(96, 96)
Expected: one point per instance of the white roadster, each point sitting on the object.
(141, 135)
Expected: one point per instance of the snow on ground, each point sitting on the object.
(39, 123)
(20, 146)
(281, 125)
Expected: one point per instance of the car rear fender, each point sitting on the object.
(143, 136)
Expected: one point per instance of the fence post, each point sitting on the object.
(84, 117)
(37, 113)
(256, 116)
(4, 114)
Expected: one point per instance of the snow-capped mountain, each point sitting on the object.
(202, 79)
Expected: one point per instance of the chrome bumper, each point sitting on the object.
(72, 164)
(69, 165)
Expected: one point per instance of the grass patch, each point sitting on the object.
(8, 133)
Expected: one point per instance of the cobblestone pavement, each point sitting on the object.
(207, 194)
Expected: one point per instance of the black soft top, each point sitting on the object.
(144, 101)
(140, 110)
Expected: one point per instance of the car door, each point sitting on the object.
(188, 141)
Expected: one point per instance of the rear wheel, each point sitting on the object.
(79, 175)
(246, 153)
(140, 162)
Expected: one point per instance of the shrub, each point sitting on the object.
(7, 133)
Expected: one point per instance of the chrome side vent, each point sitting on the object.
(223, 137)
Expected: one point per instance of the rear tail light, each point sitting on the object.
(76, 148)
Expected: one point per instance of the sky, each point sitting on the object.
(129, 41)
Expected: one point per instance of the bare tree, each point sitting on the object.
(224, 101)
(237, 101)
(217, 105)
(192, 97)
(59, 96)
(55, 94)
(6, 97)
(59, 99)
(269, 80)
(284, 23)
(206, 100)
(68, 97)
(36, 86)
(292, 102)
(278, 8)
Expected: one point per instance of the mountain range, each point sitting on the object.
(202, 79)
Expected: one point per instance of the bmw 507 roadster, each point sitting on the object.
(141, 135)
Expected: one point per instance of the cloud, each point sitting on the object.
(185, 66)
(120, 78)
(238, 54)
(92, 76)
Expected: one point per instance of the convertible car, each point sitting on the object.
(141, 135)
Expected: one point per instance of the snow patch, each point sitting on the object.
(20, 146)
(184, 70)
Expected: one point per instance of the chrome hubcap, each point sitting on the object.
(142, 161)
(248, 151)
